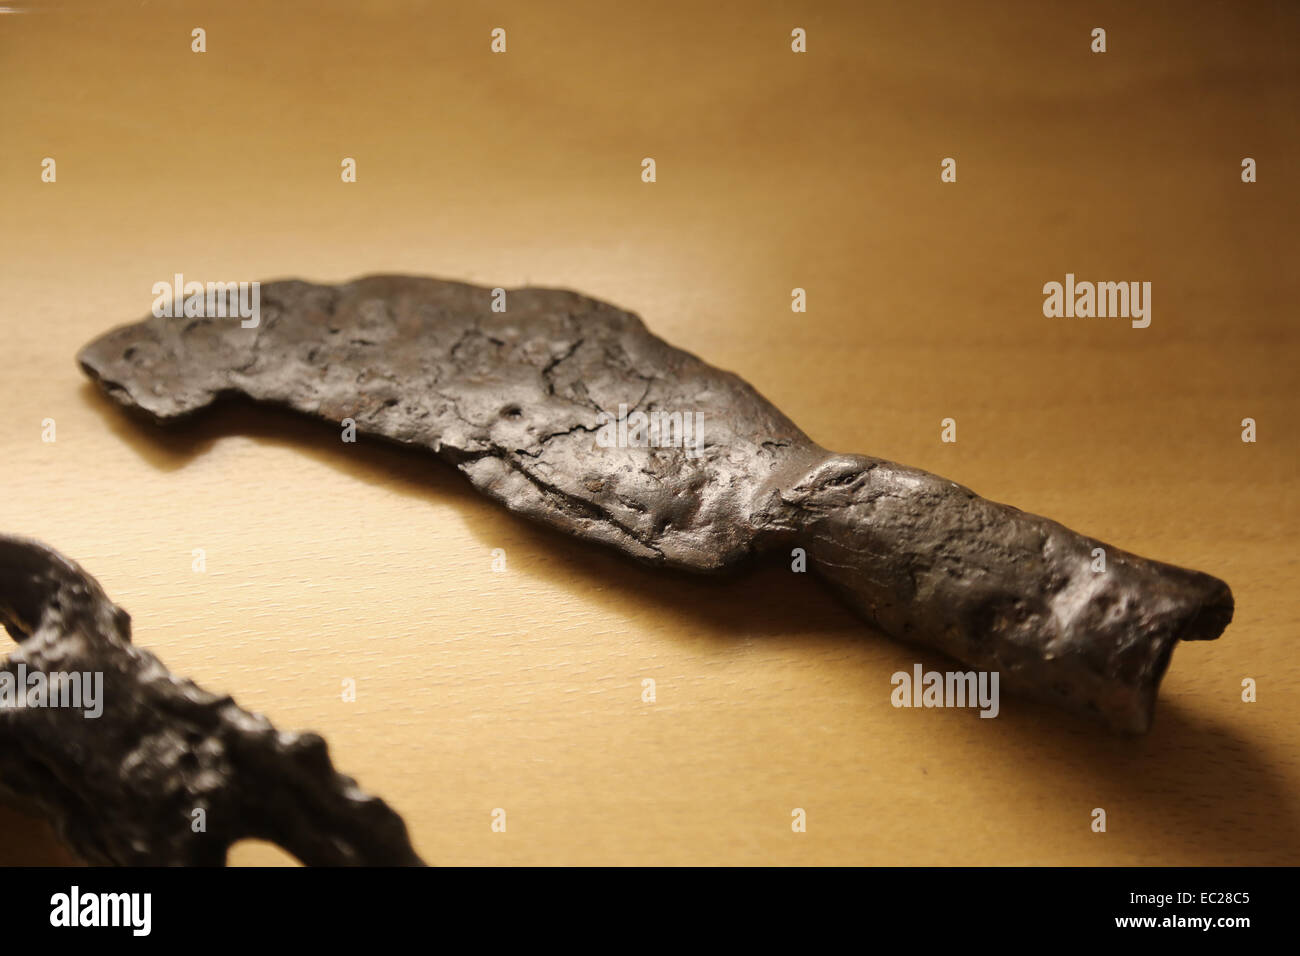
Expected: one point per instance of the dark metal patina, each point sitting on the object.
(516, 400)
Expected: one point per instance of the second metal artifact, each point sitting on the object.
(136, 766)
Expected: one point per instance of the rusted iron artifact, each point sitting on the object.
(138, 767)
(569, 411)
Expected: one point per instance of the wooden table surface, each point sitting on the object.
(522, 690)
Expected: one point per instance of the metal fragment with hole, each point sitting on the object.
(137, 767)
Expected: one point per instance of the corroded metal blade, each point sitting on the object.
(521, 401)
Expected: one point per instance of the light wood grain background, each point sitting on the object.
(522, 690)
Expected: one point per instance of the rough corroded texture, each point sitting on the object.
(122, 787)
(514, 399)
